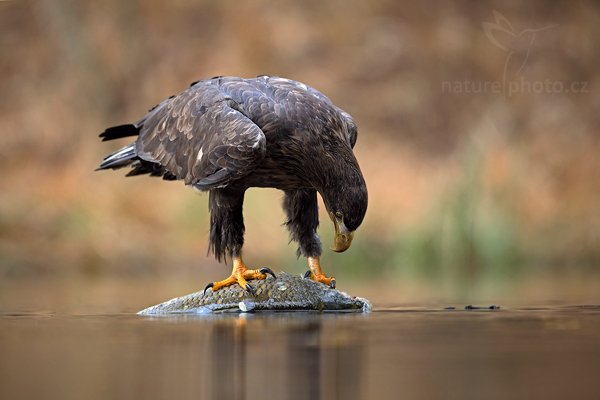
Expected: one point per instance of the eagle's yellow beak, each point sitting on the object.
(343, 237)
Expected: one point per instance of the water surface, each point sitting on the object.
(393, 353)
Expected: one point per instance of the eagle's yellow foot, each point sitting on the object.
(316, 274)
(241, 275)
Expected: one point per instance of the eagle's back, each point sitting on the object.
(229, 130)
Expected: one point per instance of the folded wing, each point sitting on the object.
(202, 137)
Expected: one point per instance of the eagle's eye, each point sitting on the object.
(339, 214)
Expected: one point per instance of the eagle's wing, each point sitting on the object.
(202, 137)
(352, 130)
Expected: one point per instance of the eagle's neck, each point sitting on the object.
(341, 183)
(335, 170)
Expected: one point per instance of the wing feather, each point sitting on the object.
(299, 102)
(201, 133)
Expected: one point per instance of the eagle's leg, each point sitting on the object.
(227, 237)
(302, 212)
(316, 274)
(240, 274)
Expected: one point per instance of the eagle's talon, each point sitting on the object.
(240, 275)
(250, 289)
(316, 273)
(266, 270)
(320, 278)
(210, 285)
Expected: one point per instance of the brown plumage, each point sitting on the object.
(226, 134)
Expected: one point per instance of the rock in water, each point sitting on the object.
(284, 293)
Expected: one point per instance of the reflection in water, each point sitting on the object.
(228, 354)
(314, 365)
(506, 354)
(304, 355)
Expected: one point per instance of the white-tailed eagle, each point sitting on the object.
(227, 134)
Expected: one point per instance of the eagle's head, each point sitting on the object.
(346, 201)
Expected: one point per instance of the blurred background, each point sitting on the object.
(479, 136)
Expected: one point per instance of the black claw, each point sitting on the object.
(266, 270)
(332, 284)
(250, 289)
(208, 287)
(307, 274)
